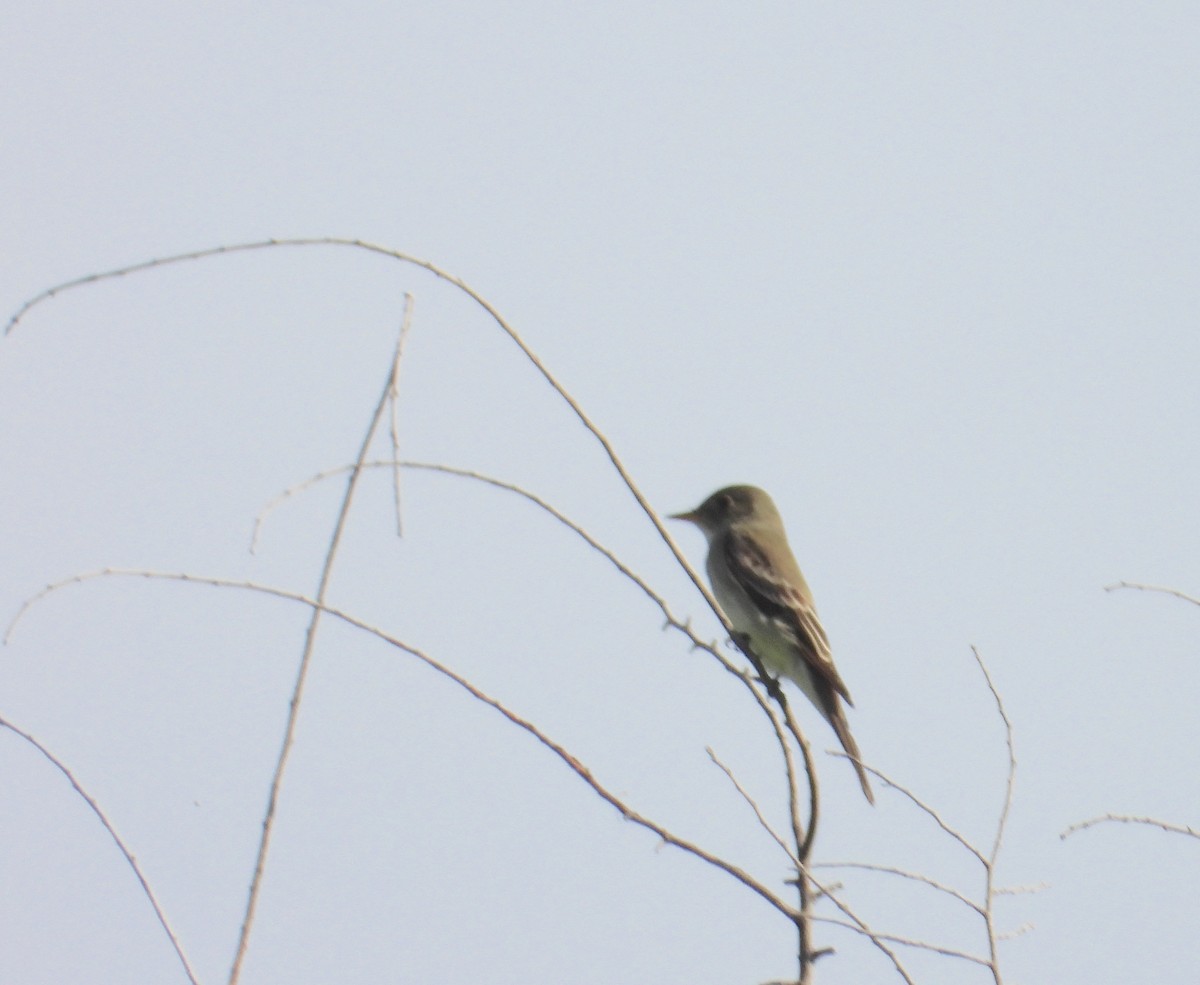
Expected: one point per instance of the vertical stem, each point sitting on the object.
(310, 642)
(804, 930)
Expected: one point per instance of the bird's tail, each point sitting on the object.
(838, 720)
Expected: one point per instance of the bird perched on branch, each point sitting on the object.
(758, 584)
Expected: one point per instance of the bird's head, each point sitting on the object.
(725, 506)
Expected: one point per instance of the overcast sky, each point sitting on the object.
(927, 272)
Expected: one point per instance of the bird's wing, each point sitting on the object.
(783, 602)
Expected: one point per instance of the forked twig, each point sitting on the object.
(782, 720)
(857, 924)
(784, 724)
(988, 861)
(990, 865)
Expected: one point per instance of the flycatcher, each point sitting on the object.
(758, 584)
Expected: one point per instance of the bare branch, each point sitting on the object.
(921, 805)
(457, 282)
(905, 874)
(984, 909)
(949, 952)
(763, 822)
(120, 843)
(310, 641)
(989, 916)
(788, 725)
(1179, 829)
(1012, 758)
(671, 619)
(805, 840)
(561, 752)
(783, 727)
(394, 406)
(1035, 887)
(1016, 932)
(856, 923)
(1168, 826)
(1153, 588)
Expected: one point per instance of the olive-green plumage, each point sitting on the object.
(758, 584)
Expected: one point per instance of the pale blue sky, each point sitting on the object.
(927, 272)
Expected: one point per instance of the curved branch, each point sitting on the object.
(803, 843)
(124, 850)
(788, 725)
(990, 890)
(1153, 822)
(1160, 589)
(457, 282)
(560, 751)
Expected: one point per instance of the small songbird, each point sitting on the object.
(758, 584)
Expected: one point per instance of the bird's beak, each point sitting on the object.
(690, 516)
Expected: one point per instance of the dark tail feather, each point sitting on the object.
(840, 726)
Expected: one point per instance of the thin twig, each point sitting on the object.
(394, 405)
(1153, 588)
(482, 302)
(786, 726)
(905, 874)
(949, 952)
(460, 284)
(561, 752)
(804, 839)
(672, 620)
(1179, 829)
(310, 641)
(571, 402)
(1034, 887)
(810, 770)
(124, 850)
(922, 806)
(990, 874)
(857, 924)
(988, 862)
(1012, 756)
(782, 727)
(753, 804)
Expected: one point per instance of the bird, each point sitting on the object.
(758, 584)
